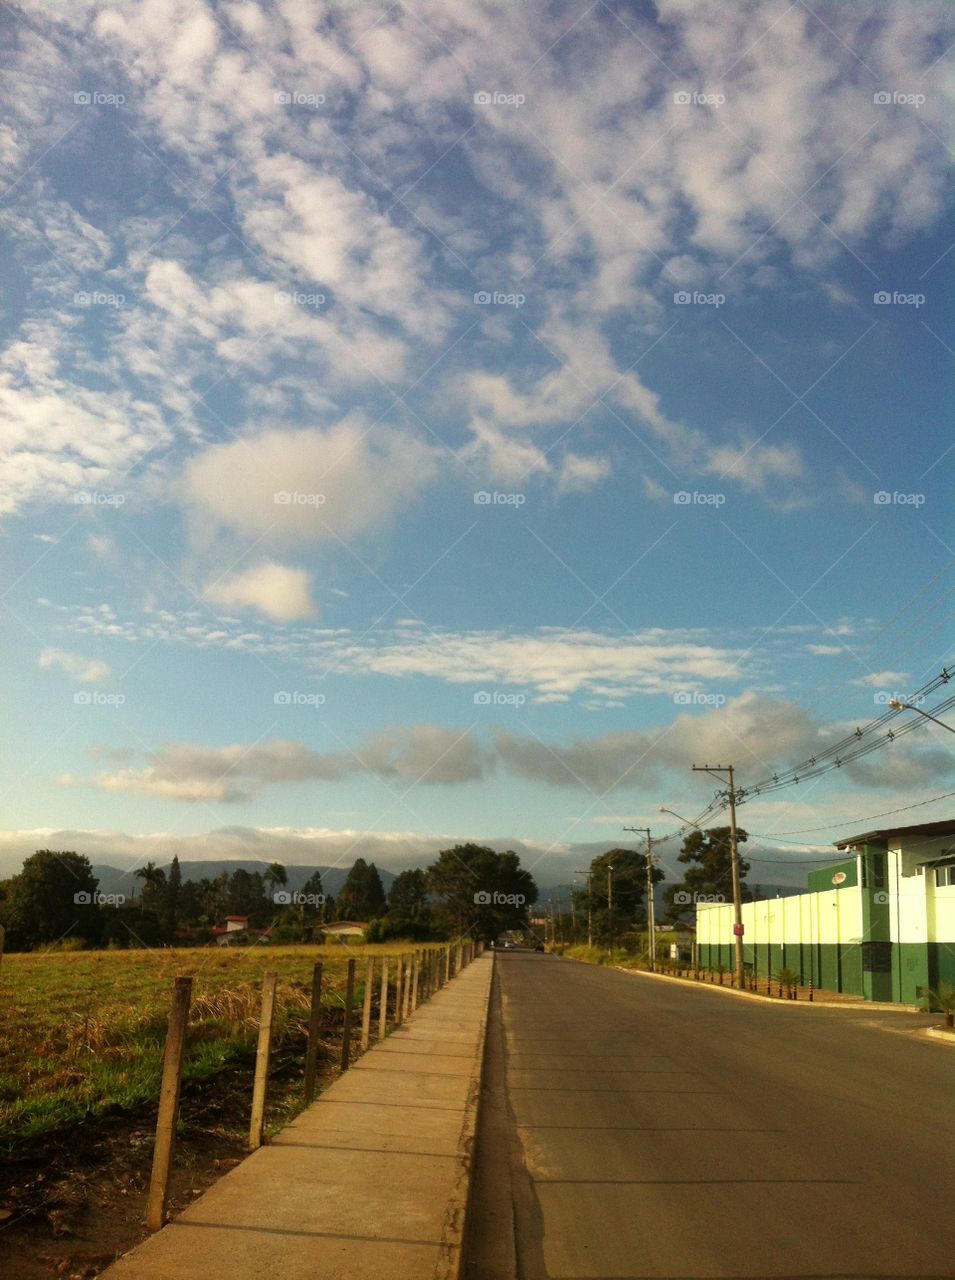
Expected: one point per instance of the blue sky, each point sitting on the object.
(455, 420)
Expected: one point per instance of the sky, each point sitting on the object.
(442, 421)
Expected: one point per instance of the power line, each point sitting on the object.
(886, 813)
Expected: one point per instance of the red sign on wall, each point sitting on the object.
(738, 930)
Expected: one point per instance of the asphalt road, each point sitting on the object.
(633, 1127)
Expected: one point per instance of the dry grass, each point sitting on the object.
(84, 1031)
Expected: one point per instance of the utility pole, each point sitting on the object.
(610, 906)
(651, 920)
(590, 906)
(573, 914)
(560, 918)
(715, 771)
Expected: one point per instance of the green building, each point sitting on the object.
(878, 924)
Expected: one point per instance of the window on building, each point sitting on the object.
(878, 871)
(873, 870)
(945, 877)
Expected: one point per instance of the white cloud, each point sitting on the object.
(579, 474)
(277, 590)
(306, 486)
(84, 670)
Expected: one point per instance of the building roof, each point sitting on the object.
(925, 829)
(237, 917)
(344, 924)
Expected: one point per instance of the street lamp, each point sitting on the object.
(896, 705)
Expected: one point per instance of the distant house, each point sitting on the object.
(345, 928)
(236, 930)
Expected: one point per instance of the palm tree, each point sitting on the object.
(153, 878)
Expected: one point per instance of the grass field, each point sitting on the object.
(83, 1032)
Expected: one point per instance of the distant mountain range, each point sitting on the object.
(114, 880)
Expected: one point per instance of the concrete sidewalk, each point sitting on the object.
(369, 1183)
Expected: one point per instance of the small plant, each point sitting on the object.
(788, 980)
(940, 999)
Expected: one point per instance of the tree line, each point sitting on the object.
(55, 901)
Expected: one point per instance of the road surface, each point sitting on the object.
(633, 1127)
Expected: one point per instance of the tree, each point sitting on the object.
(362, 896)
(481, 891)
(173, 892)
(629, 891)
(710, 873)
(246, 896)
(273, 875)
(52, 897)
(409, 912)
(154, 885)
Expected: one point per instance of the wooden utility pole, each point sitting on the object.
(590, 906)
(610, 907)
(651, 917)
(715, 770)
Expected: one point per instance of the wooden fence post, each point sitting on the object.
(446, 964)
(346, 1027)
(262, 1055)
(383, 1000)
(366, 1007)
(3, 934)
(314, 1020)
(168, 1103)
(406, 1010)
(416, 971)
(398, 979)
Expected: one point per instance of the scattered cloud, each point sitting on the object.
(279, 591)
(83, 670)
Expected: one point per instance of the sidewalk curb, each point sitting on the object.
(939, 1033)
(872, 1006)
(451, 1264)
